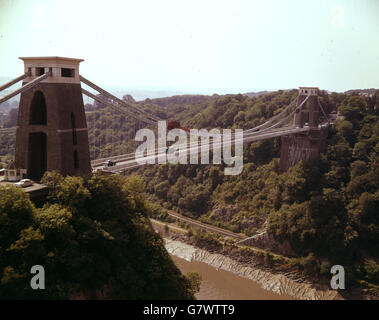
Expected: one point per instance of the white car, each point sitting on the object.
(24, 183)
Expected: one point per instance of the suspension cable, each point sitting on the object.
(286, 118)
(26, 87)
(12, 82)
(113, 106)
(322, 109)
(246, 133)
(119, 101)
(273, 118)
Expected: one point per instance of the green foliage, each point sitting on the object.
(16, 214)
(344, 128)
(194, 279)
(93, 239)
(371, 269)
(268, 259)
(206, 240)
(310, 265)
(325, 209)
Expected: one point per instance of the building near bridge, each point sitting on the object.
(12, 173)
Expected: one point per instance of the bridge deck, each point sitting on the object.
(131, 163)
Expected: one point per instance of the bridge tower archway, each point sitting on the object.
(37, 155)
(51, 125)
(38, 112)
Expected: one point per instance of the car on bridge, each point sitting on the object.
(109, 163)
(24, 183)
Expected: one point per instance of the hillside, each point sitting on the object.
(362, 92)
(255, 94)
(326, 210)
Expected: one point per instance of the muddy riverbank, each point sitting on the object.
(277, 283)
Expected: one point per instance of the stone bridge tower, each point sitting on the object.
(51, 128)
(308, 145)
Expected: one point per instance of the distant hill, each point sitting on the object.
(12, 103)
(261, 93)
(180, 99)
(362, 92)
(256, 94)
(141, 94)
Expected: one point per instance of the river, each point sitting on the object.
(221, 284)
(225, 278)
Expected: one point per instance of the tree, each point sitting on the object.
(311, 265)
(344, 128)
(352, 110)
(194, 281)
(16, 214)
(93, 238)
(162, 189)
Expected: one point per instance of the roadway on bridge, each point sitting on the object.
(128, 161)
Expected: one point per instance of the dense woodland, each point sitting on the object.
(93, 238)
(327, 209)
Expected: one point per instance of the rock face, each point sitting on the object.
(265, 241)
(277, 283)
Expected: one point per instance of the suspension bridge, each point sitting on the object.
(52, 127)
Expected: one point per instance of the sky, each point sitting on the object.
(200, 46)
